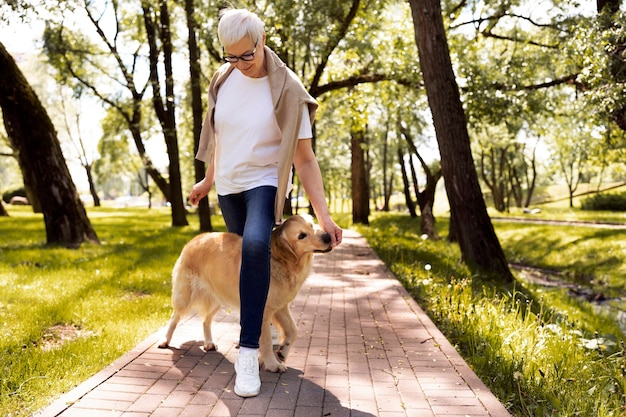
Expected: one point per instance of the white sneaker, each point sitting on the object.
(247, 381)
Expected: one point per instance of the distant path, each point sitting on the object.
(600, 225)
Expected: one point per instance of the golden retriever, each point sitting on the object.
(206, 276)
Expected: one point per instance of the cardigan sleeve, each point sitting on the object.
(206, 145)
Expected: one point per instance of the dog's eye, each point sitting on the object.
(302, 236)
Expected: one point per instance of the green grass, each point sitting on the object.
(540, 351)
(106, 297)
(563, 213)
(587, 256)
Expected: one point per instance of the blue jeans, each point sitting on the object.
(250, 214)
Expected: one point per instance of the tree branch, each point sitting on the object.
(489, 34)
(354, 80)
(341, 33)
(568, 79)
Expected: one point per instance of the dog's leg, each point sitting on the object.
(266, 349)
(181, 297)
(290, 332)
(206, 326)
(165, 341)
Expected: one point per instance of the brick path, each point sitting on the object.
(365, 349)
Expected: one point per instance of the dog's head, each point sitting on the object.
(298, 236)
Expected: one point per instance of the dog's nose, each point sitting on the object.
(326, 238)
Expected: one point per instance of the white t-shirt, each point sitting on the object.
(247, 135)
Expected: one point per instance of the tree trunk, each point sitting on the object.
(426, 201)
(204, 211)
(425, 198)
(530, 183)
(92, 186)
(3, 210)
(32, 134)
(477, 239)
(416, 185)
(453, 234)
(410, 205)
(134, 125)
(360, 191)
(492, 168)
(427, 221)
(165, 108)
(387, 178)
(28, 181)
(29, 186)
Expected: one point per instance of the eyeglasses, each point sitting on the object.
(245, 57)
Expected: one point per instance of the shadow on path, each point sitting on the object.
(207, 379)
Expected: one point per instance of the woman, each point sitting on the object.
(257, 126)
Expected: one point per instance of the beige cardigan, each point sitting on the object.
(288, 96)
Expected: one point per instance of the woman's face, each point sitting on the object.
(254, 68)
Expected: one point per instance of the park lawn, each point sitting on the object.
(67, 313)
(588, 256)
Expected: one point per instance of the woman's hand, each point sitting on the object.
(335, 232)
(199, 190)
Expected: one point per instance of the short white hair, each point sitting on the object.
(235, 24)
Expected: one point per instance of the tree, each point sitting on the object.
(387, 169)
(572, 143)
(333, 154)
(477, 239)
(406, 184)
(516, 62)
(85, 159)
(611, 23)
(360, 172)
(118, 57)
(32, 134)
(195, 72)
(10, 176)
(164, 107)
(426, 197)
(117, 164)
(507, 166)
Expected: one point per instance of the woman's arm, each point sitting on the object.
(202, 188)
(309, 173)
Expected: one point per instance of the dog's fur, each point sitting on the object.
(206, 276)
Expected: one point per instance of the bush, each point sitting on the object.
(7, 196)
(609, 202)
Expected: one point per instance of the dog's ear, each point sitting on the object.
(279, 245)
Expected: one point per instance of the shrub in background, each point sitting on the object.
(608, 201)
(19, 192)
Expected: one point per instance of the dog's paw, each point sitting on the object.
(275, 367)
(164, 344)
(209, 347)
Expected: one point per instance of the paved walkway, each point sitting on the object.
(365, 349)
